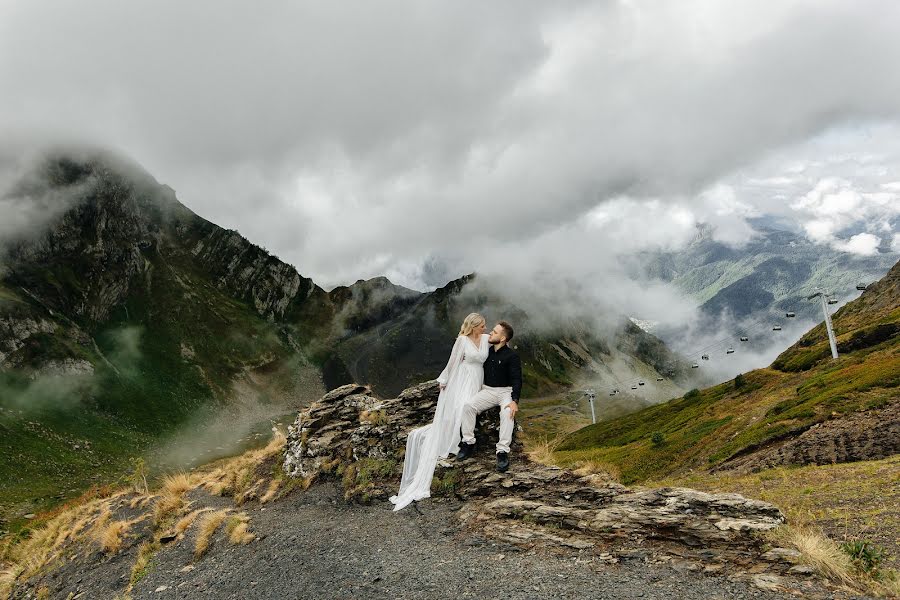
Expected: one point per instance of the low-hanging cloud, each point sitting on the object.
(538, 144)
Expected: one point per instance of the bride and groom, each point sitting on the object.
(483, 372)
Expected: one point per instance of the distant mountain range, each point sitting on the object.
(773, 274)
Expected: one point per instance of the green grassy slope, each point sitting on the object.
(802, 387)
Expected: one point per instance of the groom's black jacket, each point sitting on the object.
(503, 368)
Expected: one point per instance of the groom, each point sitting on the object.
(502, 386)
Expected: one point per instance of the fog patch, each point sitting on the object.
(22, 397)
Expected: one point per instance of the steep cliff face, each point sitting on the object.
(125, 317)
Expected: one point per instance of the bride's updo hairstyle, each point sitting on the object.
(471, 322)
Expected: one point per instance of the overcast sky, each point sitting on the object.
(423, 140)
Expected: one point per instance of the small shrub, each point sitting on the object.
(657, 439)
(694, 393)
(448, 483)
(138, 476)
(739, 381)
(866, 556)
(144, 561)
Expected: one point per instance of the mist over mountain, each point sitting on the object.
(129, 324)
(747, 291)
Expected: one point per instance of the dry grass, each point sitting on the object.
(238, 529)
(847, 502)
(826, 505)
(169, 505)
(270, 492)
(235, 477)
(136, 501)
(110, 536)
(540, 449)
(819, 552)
(179, 483)
(609, 471)
(186, 521)
(8, 575)
(374, 417)
(92, 518)
(47, 542)
(828, 559)
(206, 529)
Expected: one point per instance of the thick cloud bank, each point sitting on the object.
(536, 143)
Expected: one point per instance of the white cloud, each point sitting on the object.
(863, 244)
(355, 141)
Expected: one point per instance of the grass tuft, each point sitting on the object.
(818, 551)
(110, 537)
(206, 529)
(237, 529)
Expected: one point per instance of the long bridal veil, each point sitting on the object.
(426, 445)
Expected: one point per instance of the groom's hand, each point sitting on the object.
(513, 409)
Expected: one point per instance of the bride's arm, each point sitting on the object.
(456, 356)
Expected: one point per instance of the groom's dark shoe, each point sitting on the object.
(502, 461)
(465, 451)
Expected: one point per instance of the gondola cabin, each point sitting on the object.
(729, 351)
(832, 301)
(705, 357)
(776, 328)
(861, 286)
(744, 338)
(790, 315)
(695, 366)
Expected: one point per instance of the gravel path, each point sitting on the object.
(314, 546)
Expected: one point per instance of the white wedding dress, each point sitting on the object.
(425, 445)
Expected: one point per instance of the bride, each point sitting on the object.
(460, 380)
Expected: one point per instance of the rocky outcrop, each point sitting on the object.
(250, 273)
(349, 428)
(867, 435)
(14, 332)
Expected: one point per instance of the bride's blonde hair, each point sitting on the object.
(471, 322)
